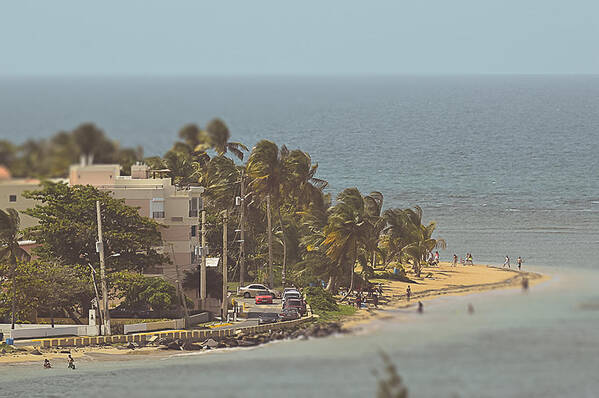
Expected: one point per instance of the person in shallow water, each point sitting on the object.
(71, 362)
(47, 364)
(420, 307)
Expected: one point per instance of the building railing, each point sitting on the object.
(158, 214)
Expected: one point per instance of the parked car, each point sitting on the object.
(268, 317)
(292, 294)
(289, 314)
(299, 305)
(264, 297)
(122, 312)
(251, 290)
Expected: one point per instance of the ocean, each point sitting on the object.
(506, 165)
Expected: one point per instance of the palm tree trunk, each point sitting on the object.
(351, 276)
(13, 304)
(331, 284)
(284, 273)
(269, 219)
(417, 268)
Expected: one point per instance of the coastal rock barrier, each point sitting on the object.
(192, 336)
(250, 339)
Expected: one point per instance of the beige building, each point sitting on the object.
(177, 209)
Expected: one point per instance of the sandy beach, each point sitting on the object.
(443, 280)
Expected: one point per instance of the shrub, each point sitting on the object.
(320, 300)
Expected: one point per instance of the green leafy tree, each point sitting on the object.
(138, 291)
(47, 288)
(67, 228)
(10, 251)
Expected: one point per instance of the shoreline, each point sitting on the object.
(443, 280)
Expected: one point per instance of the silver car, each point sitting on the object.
(251, 290)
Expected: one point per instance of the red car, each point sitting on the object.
(296, 304)
(264, 297)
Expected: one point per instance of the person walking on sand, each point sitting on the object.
(375, 300)
(519, 261)
(507, 262)
(455, 259)
(408, 292)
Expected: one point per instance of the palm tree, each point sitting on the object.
(346, 232)
(396, 233)
(10, 250)
(193, 144)
(89, 138)
(220, 178)
(301, 185)
(421, 238)
(373, 207)
(266, 171)
(217, 134)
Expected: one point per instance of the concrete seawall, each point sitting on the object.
(194, 335)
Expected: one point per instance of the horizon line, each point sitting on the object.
(294, 75)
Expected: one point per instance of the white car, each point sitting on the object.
(251, 290)
(292, 294)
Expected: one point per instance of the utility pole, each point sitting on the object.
(98, 302)
(180, 292)
(100, 249)
(271, 278)
(242, 235)
(225, 302)
(203, 264)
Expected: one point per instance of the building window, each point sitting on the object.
(194, 230)
(12, 198)
(157, 208)
(193, 207)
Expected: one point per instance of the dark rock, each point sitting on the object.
(173, 345)
(35, 351)
(132, 346)
(65, 351)
(210, 343)
(188, 345)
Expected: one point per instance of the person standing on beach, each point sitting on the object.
(455, 259)
(436, 257)
(507, 262)
(408, 292)
(375, 300)
(519, 261)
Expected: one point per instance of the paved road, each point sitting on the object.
(251, 306)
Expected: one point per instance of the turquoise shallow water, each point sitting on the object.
(540, 344)
(505, 165)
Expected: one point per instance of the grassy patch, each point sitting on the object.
(6, 348)
(334, 316)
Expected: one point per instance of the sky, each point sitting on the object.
(279, 37)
